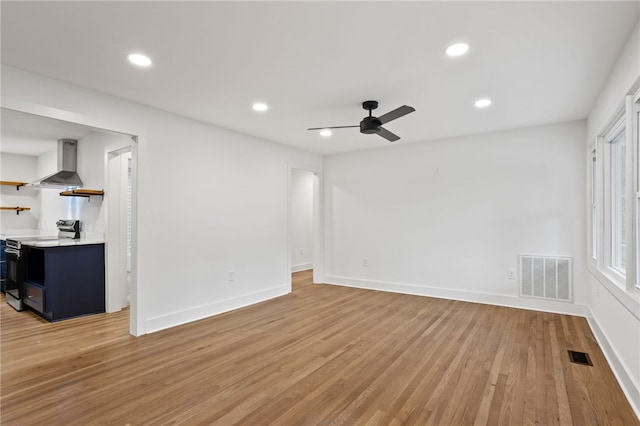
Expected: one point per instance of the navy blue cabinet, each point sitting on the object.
(65, 282)
(3, 266)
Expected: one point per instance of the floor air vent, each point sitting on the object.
(580, 358)
(545, 277)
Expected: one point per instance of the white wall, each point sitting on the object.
(91, 168)
(622, 80)
(301, 220)
(209, 201)
(448, 218)
(615, 313)
(18, 168)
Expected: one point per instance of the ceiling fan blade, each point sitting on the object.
(331, 127)
(396, 113)
(391, 137)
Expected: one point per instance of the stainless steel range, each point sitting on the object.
(69, 229)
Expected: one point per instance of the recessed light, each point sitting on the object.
(325, 133)
(260, 106)
(457, 49)
(139, 59)
(482, 103)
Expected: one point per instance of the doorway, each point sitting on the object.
(74, 120)
(118, 233)
(303, 223)
(301, 220)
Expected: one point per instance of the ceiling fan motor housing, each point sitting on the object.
(370, 125)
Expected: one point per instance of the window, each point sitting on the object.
(636, 138)
(614, 201)
(617, 199)
(613, 234)
(594, 207)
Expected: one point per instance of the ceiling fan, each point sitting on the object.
(372, 124)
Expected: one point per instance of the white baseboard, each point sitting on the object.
(182, 317)
(465, 296)
(630, 389)
(301, 267)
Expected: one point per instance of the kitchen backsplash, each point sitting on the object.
(89, 211)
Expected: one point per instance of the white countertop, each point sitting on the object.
(63, 242)
(22, 236)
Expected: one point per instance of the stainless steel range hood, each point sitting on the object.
(66, 176)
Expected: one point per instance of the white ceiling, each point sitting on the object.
(315, 62)
(34, 135)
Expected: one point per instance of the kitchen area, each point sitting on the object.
(55, 180)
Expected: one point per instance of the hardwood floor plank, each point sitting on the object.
(323, 355)
(532, 386)
(564, 410)
(488, 395)
(552, 412)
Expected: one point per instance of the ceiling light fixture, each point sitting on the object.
(325, 133)
(260, 106)
(457, 49)
(139, 59)
(482, 103)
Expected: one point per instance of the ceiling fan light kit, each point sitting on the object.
(373, 125)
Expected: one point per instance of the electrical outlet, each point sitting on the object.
(301, 251)
(365, 262)
(511, 274)
(231, 276)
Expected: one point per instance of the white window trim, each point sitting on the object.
(604, 218)
(633, 141)
(625, 290)
(593, 205)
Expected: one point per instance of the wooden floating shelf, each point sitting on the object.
(82, 193)
(16, 209)
(11, 183)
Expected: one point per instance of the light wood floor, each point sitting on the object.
(323, 355)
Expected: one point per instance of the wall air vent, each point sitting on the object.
(545, 277)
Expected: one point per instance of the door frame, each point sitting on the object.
(111, 291)
(318, 241)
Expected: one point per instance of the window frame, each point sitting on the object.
(594, 215)
(605, 234)
(633, 140)
(627, 281)
(624, 289)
